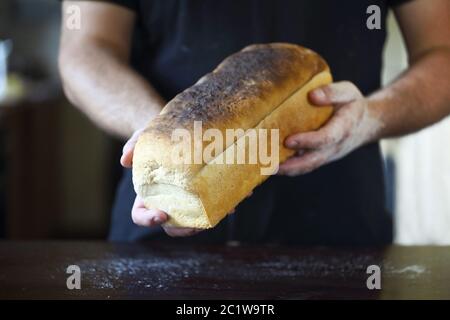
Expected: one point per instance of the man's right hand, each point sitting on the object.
(139, 213)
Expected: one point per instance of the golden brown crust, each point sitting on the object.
(239, 93)
(242, 92)
(229, 92)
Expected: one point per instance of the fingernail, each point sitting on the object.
(292, 144)
(123, 161)
(158, 220)
(319, 94)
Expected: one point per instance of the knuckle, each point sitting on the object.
(328, 90)
(340, 134)
(335, 139)
(345, 134)
(330, 139)
(352, 89)
(338, 149)
(349, 85)
(313, 165)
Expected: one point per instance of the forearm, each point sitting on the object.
(106, 89)
(418, 98)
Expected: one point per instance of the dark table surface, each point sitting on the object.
(109, 271)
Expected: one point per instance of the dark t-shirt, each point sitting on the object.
(176, 42)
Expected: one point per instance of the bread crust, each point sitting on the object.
(261, 86)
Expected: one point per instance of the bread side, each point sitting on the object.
(221, 187)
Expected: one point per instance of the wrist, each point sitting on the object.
(371, 124)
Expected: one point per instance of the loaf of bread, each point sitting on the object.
(263, 86)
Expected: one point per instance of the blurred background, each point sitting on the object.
(58, 172)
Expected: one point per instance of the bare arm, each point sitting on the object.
(97, 79)
(93, 63)
(418, 98)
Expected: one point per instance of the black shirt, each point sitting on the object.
(176, 42)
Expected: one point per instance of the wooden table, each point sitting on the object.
(156, 271)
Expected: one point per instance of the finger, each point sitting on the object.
(180, 232)
(303, 164)
(126, 160)
(282, 170)
(334, 131)
(335, 93)
(330, 134)
(146, 217)
(308, 140)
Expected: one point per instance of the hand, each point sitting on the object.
(351, 126)
(139, 213)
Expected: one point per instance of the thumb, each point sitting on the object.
(336, 93)
(126, 160)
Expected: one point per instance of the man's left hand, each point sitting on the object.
(351, 126)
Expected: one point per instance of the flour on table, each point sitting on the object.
(411, 269)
